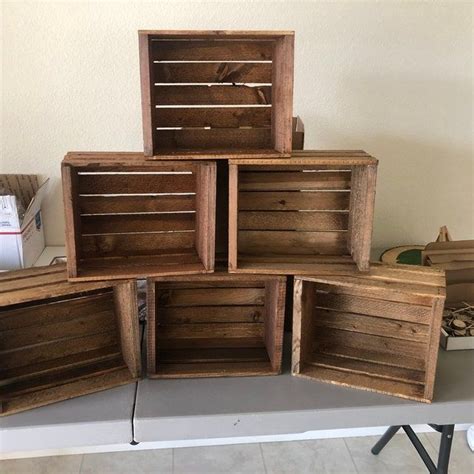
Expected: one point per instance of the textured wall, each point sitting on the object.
(393, 78)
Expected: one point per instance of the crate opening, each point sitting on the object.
(47, 344)
(211, 329)
(293, 214)
(360, 341)
(140, 222)
(215, 94)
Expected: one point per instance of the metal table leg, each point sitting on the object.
(444, 447)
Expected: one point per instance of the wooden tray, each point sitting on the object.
(215, 325)
(128, 218)
(303, 214)
(214, 93)
(60, 340)
(377, 331)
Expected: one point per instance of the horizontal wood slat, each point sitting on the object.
(212, 314)
(371, 325)
(136, 184)
(348, 379)
(292, 243)
(293, 221)
(34, 384)
(293, 181)
(137, 223)
(330, 337)
(293, 201)
(214, 297)
(210, 342)
(213, 139)
(212, 95)
(213, 50)
(215, 369)
(374, 307)
(135, 204)
(57, 365)
(221, 117)
(47, 313)
(346, 364)
(199, 331)
(371, 355)
(197, 356)
(56, 349)
(124, 245)
(212, 72)
(16, 339)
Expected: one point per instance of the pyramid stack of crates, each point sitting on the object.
(230, 222)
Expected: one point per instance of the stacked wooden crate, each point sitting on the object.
(217, 181)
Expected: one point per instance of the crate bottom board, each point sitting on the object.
(299, 265)
(213, 362)
(216, 154)
(341, 376)
(67, 390)
(118, 268)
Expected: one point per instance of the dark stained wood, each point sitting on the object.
(213, 95)
(212, 72)
(214, 68)
(136, 204)
(214, 49)
(60, 340)
(215, 117)
(377, 331)
(214, 138)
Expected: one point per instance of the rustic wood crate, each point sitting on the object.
(215, 325)
(127, 217)
(60, 340)
(216, 92)
(377, 331)
(303, 214)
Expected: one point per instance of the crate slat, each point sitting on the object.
(229, 72)
(189, 139)
(219, 49)
(128, 217)
(221, 117)
(215, 325)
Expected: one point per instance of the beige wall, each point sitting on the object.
(393, 78)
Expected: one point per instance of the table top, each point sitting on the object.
(225, 407)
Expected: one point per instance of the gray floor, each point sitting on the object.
(343, 455)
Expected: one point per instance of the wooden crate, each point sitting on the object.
(215, 325)
(127, 217)
(216, 93)
(303, 214)
(377, 331)
(60, 340)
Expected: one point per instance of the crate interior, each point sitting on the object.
(365, 342)
(47, 344)
(213, 328)
(140, 221)
(215, 94)
(293, 215)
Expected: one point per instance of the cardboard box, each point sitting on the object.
(21, 239)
